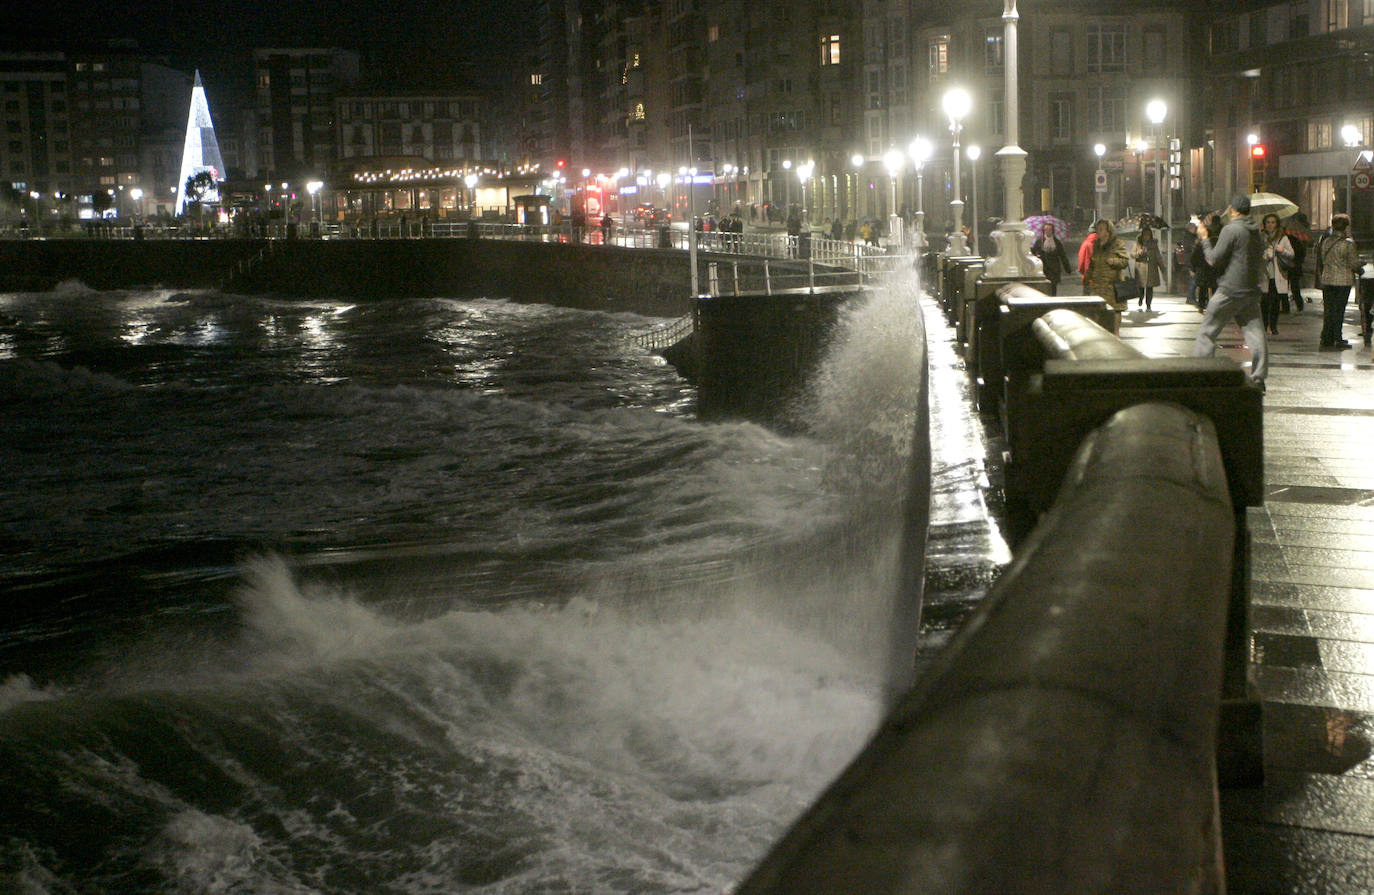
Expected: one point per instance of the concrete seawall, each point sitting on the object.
(646, 281)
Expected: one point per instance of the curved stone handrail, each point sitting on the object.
(1068, 335)
(1064, 741)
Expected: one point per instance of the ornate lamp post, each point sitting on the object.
(857, 160)
(313, 188)
(1013, 259)
(1155, 110)
(892, 160)
(919, 150)
(1099, 186)
(956, 103)
(804, 171)
(975, 152)
(470, 181)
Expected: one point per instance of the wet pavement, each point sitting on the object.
(1310, 827)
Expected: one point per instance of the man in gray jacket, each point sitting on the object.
(1238, 256)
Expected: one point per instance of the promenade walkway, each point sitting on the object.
(1310, 828)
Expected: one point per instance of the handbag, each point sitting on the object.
(1127, 289)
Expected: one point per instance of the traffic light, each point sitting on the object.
(1259, 167)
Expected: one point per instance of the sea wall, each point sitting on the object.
(646, 281)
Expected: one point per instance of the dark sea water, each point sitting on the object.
(424, 596)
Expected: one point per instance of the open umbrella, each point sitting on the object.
(1271, 203)
(1036, 225)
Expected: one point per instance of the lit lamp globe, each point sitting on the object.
(956, 103)
(1351, 135)
(920, 150)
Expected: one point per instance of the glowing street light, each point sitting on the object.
(313, 188)
(920, 150)
(804, 172)
(470, 181)
(857, 161)
(956, 103)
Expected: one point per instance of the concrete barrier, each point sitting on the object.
(1064, 741)
(1007, 347)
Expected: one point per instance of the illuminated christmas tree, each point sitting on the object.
(201, 153)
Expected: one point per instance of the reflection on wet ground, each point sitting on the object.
(965, 549)
(1310, 827)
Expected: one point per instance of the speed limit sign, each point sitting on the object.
(1361, 180)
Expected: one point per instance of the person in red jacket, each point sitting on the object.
(1085, 255)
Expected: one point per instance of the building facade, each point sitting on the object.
(298, 132)
(1296, 78)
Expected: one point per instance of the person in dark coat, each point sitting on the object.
(1053, 261)
(1300, 237)
(1204, 275)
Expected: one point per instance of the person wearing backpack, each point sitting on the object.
(1338, 266)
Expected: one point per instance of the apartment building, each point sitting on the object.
(1296, 78)
(297, 89)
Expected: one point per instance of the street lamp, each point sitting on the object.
(1013, 260)
(137, 195)
(786, 188)
(956, 103)
(975, 152)
(1100, 186)
(1155, 110)
(857, 160)
(804, 171)
(919, 150)
(470, 181)
(892, 161)
(313, 188)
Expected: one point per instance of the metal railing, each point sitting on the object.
(667, 335)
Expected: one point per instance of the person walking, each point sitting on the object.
(1238, 255)
(1204, 274)
(1053, 261)
(1148, 264)
(1301, 240)
(1105, 263)
(1338, 266)
(1278, 254)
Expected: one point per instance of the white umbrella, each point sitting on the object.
(1271, 203)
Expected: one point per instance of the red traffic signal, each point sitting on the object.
(1257, 151)
(561, 163)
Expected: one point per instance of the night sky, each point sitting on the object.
(405, 43)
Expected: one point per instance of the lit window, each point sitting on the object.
(1106, 48)
(536, 79)
(830, 49)
(992, 51)
(639, 112)
(713, 33)
(939, 56)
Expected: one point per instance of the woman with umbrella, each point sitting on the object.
(1278, 254)
(1050, 250)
